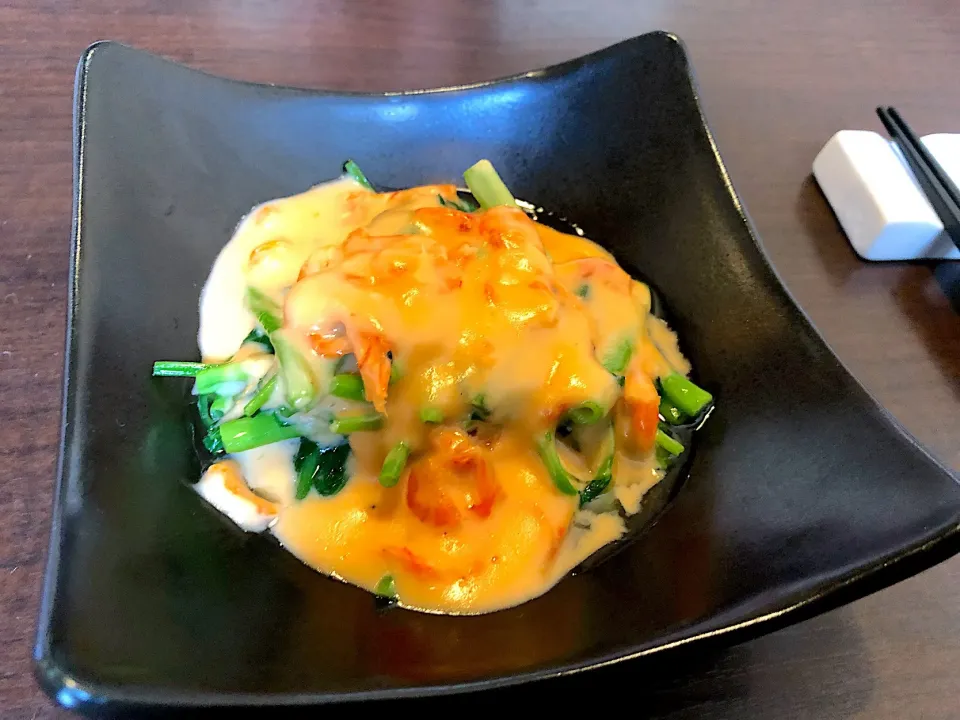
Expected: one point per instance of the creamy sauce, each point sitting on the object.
(490, 305)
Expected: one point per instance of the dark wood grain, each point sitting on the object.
(777, 80)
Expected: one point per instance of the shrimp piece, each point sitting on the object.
(329, 345)
(604, 270)
(370, 348)
(441, 222)
(411, 562)
(223, 486)
(321, 259)
(643, 402)
(417, 197)
(427, 500)
(456, 467)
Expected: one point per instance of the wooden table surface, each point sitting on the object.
(777, 80)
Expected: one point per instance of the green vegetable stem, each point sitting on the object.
(348, 386)
(393, 464)
(548, 453)
(346, 424)
(249, 432)
(268, 313)
(688, 397)
(175, 368)
(354, 171)
(486, 185)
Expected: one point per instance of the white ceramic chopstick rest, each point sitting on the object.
(877, 200)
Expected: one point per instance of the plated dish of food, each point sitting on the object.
(800, 492)
(429, 394)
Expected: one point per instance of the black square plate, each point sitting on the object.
(803, 492)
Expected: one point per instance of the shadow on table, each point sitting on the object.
(927, 293)
(816, 669)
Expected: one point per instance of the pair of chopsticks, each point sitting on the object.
(934, 182)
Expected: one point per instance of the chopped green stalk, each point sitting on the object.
(348, 386)
(688, 397)
(584, 291)
(395, 372)
(261, 396)
(296, 374)
(261, 338)
(306, 462)
(548, 453)
(664, 459)
(386, 587)
(331, 473)
(600, 482)
(354, 171)
(586, 413)
(346, 424)
(227, 379)
(486, 185)
(246, 433)
(393, 464)
(267, 312)
(175, 368)
(670, 412)
(220, 406)
(618, 357)
(668, 443)
(431, 415)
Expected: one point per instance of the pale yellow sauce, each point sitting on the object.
(486, 305)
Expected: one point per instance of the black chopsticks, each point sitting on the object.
(934, 182)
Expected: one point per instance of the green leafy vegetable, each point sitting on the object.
(305, 464)
(479, 409)
(331, 473)
(203, 410)
(213, 442)
(600, 482)
(459, 204)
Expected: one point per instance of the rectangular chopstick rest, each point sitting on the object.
(877, 200)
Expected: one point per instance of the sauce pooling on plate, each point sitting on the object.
(446, 405)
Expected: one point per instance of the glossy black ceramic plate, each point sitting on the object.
(802, 493)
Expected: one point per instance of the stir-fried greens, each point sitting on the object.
(313, 371)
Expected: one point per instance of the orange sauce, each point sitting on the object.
(486, 309)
